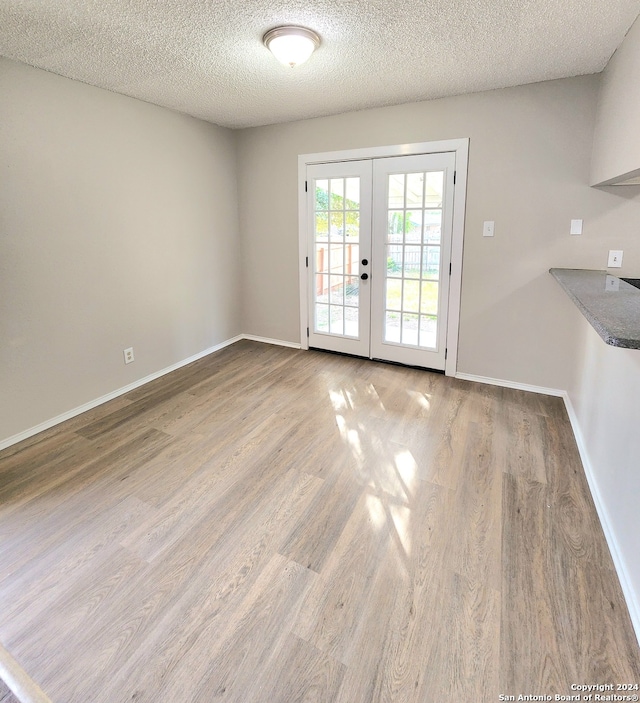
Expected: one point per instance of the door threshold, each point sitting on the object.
(382, 361)
(331, 351)
(410, 366)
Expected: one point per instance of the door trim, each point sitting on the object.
(461, 149)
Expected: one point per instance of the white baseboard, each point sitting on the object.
(24, 688)
(630, 596)
(110, 396)
(132, 386)
(268, 340)
(510, 384)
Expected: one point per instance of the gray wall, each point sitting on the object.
(118, 228)
(529, 162)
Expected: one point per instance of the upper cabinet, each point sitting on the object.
(616, 144)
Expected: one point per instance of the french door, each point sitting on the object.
(379, 239)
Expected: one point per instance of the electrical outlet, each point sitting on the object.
(615, 259)
(576, 227)
(128, 355)
(488, 228)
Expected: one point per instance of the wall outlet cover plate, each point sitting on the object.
(488, 228)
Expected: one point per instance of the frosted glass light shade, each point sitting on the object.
(291, 45)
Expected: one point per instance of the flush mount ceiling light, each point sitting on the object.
(291, 45)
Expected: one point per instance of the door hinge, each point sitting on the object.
(445, 354)
(305, 186)
(307, 262)
(307, 332)
(449, 268)
(454, 177)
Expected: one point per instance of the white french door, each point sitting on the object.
(339, 210)
(412, 222)
(379, 243)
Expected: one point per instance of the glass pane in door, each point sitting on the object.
(414, 217)
(336, 264)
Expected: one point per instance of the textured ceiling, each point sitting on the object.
(205, 57)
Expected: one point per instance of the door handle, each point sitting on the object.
(364, 276)
(365, 262)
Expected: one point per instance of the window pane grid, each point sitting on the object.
(413, 258)
(337, 223)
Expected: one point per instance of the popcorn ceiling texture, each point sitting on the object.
(206, 58)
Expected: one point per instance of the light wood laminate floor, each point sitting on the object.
(5, 694)
(269, 525)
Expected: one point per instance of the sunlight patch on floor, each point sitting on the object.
(407, 469)
(376, 511)
(401, 516)
(423, 399)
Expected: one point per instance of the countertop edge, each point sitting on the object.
(609, 336)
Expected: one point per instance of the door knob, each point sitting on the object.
(364, 276)
(365, 262)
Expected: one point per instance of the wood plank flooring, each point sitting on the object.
(5, 694)
(269, 525)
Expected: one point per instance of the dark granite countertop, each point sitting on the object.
(611, 305)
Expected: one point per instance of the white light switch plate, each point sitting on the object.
(615, 259)
(576, 227)
(487, 228)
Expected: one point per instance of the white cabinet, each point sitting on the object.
(616, 144)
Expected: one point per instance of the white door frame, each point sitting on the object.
(461, 149)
